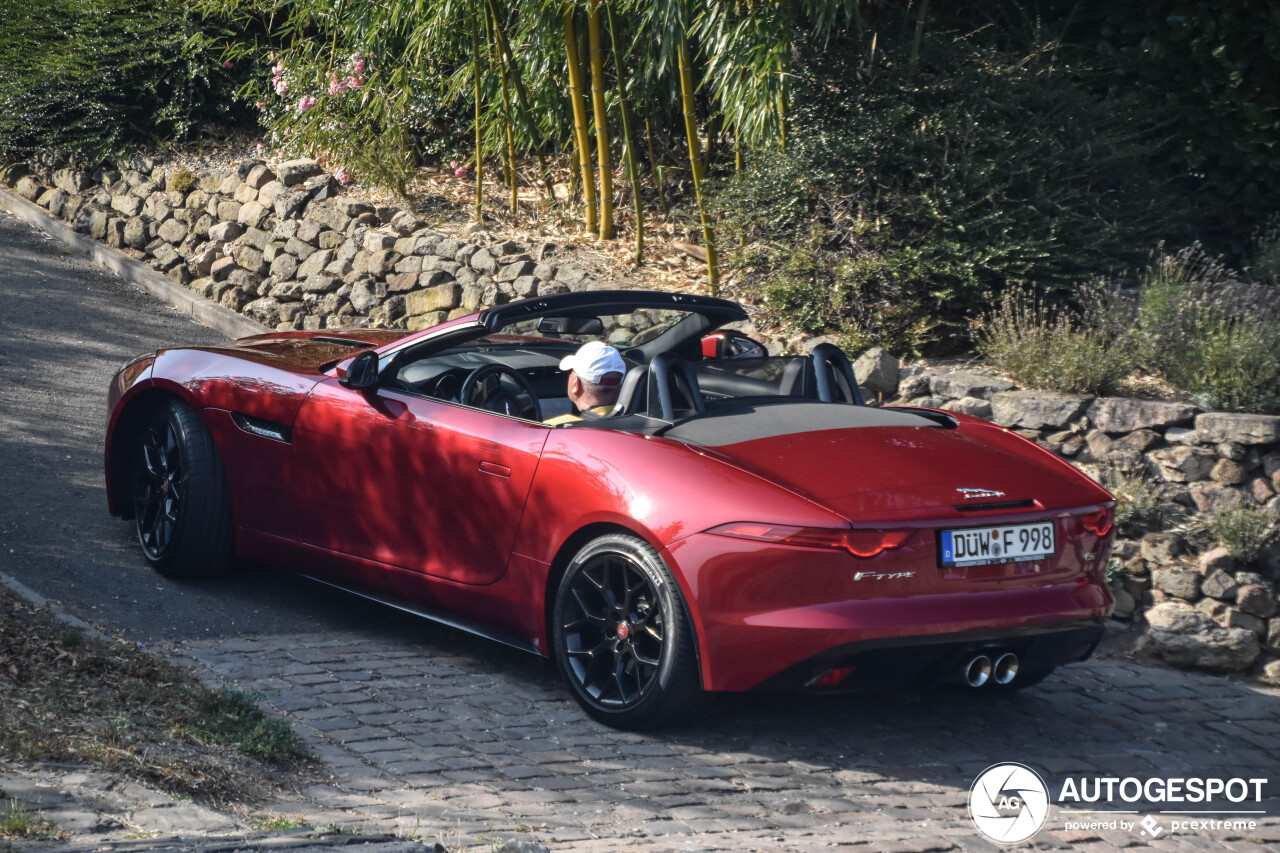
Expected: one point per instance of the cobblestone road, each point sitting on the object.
(446, 731)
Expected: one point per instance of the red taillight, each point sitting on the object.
(859, 543)
(1099, 522)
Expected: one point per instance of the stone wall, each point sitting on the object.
(287, 247)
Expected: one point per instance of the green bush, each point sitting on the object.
(1044, 348)
(1225, 354)
(88, 78)
(986, 167)
(1136, 504)
(1244, 528)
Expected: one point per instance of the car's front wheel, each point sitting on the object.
(182, 511)
(622, 638)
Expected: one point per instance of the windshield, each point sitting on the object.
(623, 331)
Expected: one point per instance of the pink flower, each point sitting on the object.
(305, 103)
(257, 105)
(354, 82)
(460, 170)
(358, 65)
(286, 131)
(228, 65)
(260, 146)
(343, 176)
(278, 69)
(338, 87)
(281, 86)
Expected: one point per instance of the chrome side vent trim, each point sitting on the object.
(343, 342)
(263, 428)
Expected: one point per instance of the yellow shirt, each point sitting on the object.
(571, 417)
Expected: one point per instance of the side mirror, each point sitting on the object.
(362, 373)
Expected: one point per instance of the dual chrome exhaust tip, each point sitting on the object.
(981, 670)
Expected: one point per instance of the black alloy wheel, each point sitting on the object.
(621, 635)
(181, 507)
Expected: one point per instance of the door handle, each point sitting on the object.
(495, 469)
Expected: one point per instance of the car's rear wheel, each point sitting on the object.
(182, 510)
(622, 637)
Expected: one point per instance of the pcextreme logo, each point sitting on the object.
(1009, 803)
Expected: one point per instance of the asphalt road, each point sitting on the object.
(66, 326)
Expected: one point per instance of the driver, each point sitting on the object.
(595, 377)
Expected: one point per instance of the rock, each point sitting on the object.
(251, 259)
(1208, 496)
(1273, 635)
(964, 384)
(975, 406)
(1215, 560)
(245, 281)
(53, 200)
(515, 270)
(1261, 489)
(293, 172)
(1161, 549)
(284, 267)
(1186, 637)
(1211, 607)
(330, 239)
(1271, 672)
(405, 223)
(877, 372)
(1125, 604)
(443, 297)
(1177, 583)
(201, 260)
(299, 249)
(1219, 585)
(1137, 441)
(1257, 600)
(225, 232)
(135, 233)
(115, 233)
(523, 845)
(221, 268)
(364, 296)
(1181, 435)
(321, 283)
(402, 282)
(1036, 409)
(1123, 414)
(314, 264)
(252, 214)
(289, 204)
(1233, 618)
(382, 262)
(525, 286)
(259, 176)
(1229, 472)
(173, 231)
(266, 310)
(376, 241)
(354, 207)
(1183, 464)
(1214, 427)
(126, 204)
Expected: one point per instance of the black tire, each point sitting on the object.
(182, 510)
(622, 637)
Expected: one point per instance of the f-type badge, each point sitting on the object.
(971, 494)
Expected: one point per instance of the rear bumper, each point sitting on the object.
(773, 617)
(921, 661)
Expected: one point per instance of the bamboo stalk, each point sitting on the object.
(915, 42)
(695, 162)
(475, 64)
(522, 98)
(628, 149)
(653, 160)
(580, 120)
(506, 116)
(603, 154)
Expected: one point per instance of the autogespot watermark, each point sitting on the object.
(1010, 803)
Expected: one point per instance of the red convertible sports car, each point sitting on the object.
(738, 522)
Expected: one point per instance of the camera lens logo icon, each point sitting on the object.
(1009, 803)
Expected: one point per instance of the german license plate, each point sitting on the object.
(1005, 543)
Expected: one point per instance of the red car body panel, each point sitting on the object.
(465, 512)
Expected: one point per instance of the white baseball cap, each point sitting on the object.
(593, 361)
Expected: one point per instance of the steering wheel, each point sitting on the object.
(484, 389)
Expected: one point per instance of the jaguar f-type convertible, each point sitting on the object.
(739, 521)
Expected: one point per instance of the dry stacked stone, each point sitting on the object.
(286, 246)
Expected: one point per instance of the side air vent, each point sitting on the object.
(988, 505)
(263, 428)
(344, 342)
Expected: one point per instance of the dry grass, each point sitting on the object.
(72, 699)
